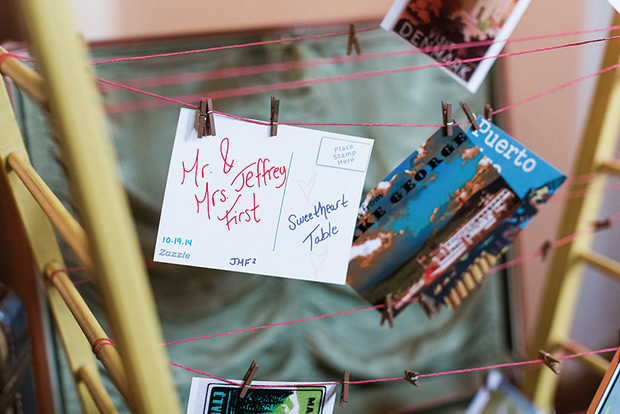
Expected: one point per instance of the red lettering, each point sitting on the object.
(246, 215)
(206, 197)
(259, 176)
(194, 168)
(224, 146)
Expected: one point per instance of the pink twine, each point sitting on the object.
(362, 57)
(311, 318)
(195, 371)
(54, 272)
(556, 243)
(582, 193)
(100, 343)
(250, 90)
(5, 56)
(435, 374)
(210, 49)
(153, 95)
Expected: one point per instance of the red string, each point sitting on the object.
(195, 371)
(527, 256)
(210, 49)
(249, 90)
(153, 95)
(295, 65)
(582, 193)
(100, 343)
(54, 272)
(363, 57)
(556, 243)
(557, 88)
(311, 318)
(435, 374)
(5, 56)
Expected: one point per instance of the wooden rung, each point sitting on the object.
(67, 226)
(595, 362)
(612, 166)
(25, 78)
(93, 331)
(96, 390)
(607, 265)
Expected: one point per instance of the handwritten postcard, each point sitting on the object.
(435, 225)
(244, 201)
(435, 25)
(208, 396)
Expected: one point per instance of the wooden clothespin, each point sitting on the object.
(545, 248)
(275, 113)
(470, 115)
(387, 313)
(602, 224)
(353, 42)
(549, 360)
(412, 377)
(344, 391)
(488, 112)
(446, 112)
(204, 121)
(248, 378)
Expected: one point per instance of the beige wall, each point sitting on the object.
(114, 19)
(552, 125)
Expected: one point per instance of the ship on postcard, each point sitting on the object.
(494, 209)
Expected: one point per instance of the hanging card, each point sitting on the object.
(499, 396)
(443, 217)
(607, 397)
(615, 4)
(442, 23)
(245, 201)
(209, 396)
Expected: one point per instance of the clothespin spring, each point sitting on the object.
(446, 111)
(412, 377)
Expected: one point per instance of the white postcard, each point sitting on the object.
(615, 4)
(247, 202)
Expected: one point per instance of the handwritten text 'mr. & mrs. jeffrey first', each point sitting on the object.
(237, 201)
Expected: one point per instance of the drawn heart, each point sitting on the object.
(306, 187)
(317, 260)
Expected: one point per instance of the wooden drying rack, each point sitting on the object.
(140, 372)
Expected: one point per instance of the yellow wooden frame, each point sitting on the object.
(564, 275)
(109, 247)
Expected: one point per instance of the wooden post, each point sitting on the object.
(86, 148)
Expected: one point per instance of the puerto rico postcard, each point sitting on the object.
(436, 224)
(441, 24)
(209, 396)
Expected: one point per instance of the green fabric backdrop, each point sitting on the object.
(194, 302)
